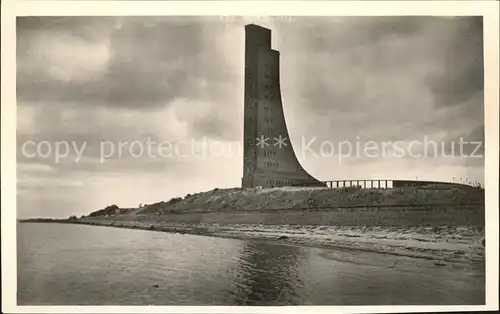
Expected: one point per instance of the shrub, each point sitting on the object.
(350, 188)
(109, 210)
(311, 202)
(174, 200)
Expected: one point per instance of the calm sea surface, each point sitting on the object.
(62, 264)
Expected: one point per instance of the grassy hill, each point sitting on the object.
(239, 199)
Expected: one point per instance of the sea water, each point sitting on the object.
(64, 264)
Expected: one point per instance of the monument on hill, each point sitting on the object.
(268, 159)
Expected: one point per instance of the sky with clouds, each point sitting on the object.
(173, 86)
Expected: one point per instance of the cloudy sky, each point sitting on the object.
(93, 84)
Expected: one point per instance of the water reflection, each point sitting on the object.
(85, 265)
(268, 274)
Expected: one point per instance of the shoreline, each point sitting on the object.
(443, 245)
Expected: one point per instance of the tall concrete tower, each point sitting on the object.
(268, 156)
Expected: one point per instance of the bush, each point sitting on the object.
(174, 200)
(109, 210)
(350, 188)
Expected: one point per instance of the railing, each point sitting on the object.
(380, 184)
(389, 183)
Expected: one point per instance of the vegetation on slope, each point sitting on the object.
(311, 198)
(239, 199)
(109, 210)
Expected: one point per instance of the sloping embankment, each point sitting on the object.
(316, 206)
(239, 199)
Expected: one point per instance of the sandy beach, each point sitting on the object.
(457, 244)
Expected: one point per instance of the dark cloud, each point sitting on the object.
(151, 61)
(384, 78)
(363, 31)
(396, 47)
(463, 75)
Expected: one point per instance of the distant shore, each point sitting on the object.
(444, 245)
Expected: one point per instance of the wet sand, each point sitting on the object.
(442, 245)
